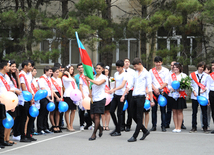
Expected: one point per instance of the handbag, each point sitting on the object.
(2, 111)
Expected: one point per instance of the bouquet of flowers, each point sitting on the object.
(185, 83)
(112, 79)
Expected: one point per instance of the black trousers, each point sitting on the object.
(42, 119)
(115, 103)
(129, 111)
(138, 108)
(1, 132)
(194, 114)
(169, 112)
(24, 112)
(16, 126)
(154, 113)
(82, 117)
(211, 97)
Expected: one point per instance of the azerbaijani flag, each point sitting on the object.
(86, 61)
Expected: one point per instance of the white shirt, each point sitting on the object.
(84, 87)
(98, 92)
(164, 75)
(22, 80)
(140, 82)
(29, 77)
(211, 83)
(58, 81)
(130, 72)
(179, 77)
(9, 82)
(68, 86)
(119, 79)
(205, 81)
(43, 84)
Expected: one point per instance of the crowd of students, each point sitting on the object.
(133, 85)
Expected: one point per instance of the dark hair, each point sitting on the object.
(208, 67)
(79, 64)
(127, 59)
(179, 66)
(212, 61)
(136, 61)
(10, 74)
(32, 62)
(54, 69)
(67, 69)
(47, 68)
(120, 63)
(62, 66)
(102, 65)
(158, 59)
(25, 63)
(34, 68)
(201, 64)
(3, 63)
(56, 64)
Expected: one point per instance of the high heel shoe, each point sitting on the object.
(90, 139)
(101, 132)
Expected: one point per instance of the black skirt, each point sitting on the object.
(71, 105)
(98, 107)
(179, 104)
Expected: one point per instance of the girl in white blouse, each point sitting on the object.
(58, 96)
(69, 84)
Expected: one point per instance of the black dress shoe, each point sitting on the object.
(92, 138)
(6, 144)
(145, 135)
(112, 132)
(193, 130)
(116, 134)
(2, 147)
(122, 129)
(212, 132)
(163, 129)
(25, 140)
(167, 126)
(127, 129)
(205, 130)
(183, 127)
(153, 129)
(31, 139)
(132, 139)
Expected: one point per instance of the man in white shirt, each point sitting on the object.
(141, 81)
(45, 84)
(119, 88)
(130, 73)
(25, 105)
(200, 86)
(160, 77)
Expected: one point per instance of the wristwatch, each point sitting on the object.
(152, 101)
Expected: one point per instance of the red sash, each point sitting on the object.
(193, 75)
(33, 87)
(83, 78)
(72, 82)
(182, 93)
(160, 81)
(212, 75)
(106, 88)
(7, 86)
(14, 81)
(58, 88)
(48, 82)
(26, 82)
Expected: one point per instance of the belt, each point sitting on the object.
(139, 96)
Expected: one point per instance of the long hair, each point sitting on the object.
(67, 69)
(10, 74)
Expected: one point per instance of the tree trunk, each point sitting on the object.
(143, 37)
(107, 55)
(65, 41)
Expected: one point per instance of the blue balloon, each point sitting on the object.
(63, 106)
(27, 95)
(33, 111)
(162, 101)
(147, 104)
(175, 85)
(8, 121)
(50, 106)
(40, 94)
(125, 105)
(202, 100)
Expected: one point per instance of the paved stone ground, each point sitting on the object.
(157, 142)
